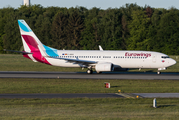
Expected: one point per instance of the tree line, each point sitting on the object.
(130, 27)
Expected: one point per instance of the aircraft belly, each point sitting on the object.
(61, 63)
(133, 64)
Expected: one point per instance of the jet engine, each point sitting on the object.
(101, 67)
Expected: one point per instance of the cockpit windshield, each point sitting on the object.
(165, 57)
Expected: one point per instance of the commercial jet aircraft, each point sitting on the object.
(100, 60)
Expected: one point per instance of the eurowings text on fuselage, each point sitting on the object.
(100, 60)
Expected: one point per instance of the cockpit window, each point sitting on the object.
(165, 57)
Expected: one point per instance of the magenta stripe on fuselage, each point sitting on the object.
(33, 45)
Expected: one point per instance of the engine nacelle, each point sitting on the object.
(101, 67)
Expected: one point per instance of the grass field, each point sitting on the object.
(22, 85)
(9, 62)
(83, 108)
(86, 108)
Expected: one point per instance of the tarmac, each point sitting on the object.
(84, 75)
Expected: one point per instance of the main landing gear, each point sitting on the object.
(158, 72)
(89, 71)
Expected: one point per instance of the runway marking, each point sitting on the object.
(128, 95)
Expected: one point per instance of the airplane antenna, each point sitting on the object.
(100, 48)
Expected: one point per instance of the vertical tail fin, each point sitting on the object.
(30, 41)
(32, 44)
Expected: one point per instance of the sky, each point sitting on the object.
(103, 4)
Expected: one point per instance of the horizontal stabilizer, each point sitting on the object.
(22, 52)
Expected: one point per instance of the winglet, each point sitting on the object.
(100, 48)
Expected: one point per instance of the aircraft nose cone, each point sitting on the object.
(173, 62)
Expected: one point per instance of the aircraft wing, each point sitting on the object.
(77, 61)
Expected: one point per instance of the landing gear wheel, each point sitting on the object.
(158, 72)
(89, 71)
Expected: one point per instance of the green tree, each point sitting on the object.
(90, 35)
(167, 36)
(11, 37)
(111, 28)
(139, 29)
(5, 14)
(74, 28)
(129, 27)
(58, 31)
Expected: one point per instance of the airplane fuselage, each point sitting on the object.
(122, 59)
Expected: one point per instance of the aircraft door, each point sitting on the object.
(154, 58)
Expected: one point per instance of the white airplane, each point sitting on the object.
(100, 60)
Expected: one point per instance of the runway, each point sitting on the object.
(158, 95)
(89, 95)
(84, 75)
(77, 95)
